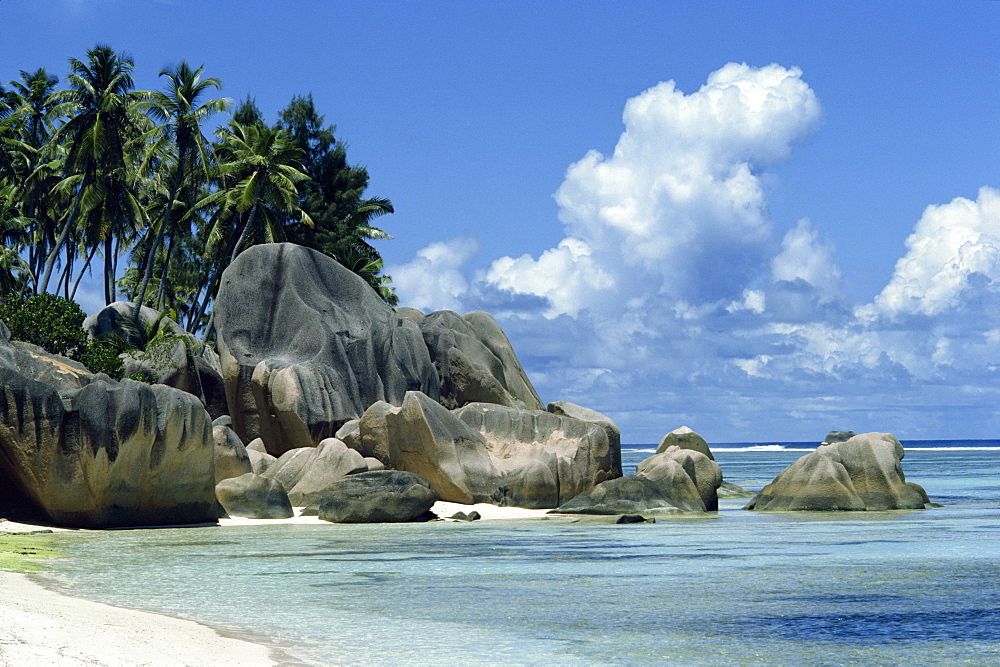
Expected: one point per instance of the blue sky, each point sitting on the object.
(747, 250)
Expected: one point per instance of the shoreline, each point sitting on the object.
(44, 626)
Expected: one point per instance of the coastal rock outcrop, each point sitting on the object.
(91, 452)
(475, 361)
(670, 481)
(254, 497)
(489, 453)
(385, 496)
(862, 473)
(331, 462)
(685, 438)
(231, 457)
(837, 436)
(306, 345)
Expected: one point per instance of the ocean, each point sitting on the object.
(736, 587)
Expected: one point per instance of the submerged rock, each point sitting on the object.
(385, 496)
(91, 452)
(862, 473)
(673, 480)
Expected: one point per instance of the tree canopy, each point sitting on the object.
(103, 169)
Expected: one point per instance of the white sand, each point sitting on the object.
(487, 512)
(41, 627)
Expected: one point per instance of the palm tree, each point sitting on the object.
(353, 251)
(30, 159)
(103, 134)
(259, 168)
(178, 109)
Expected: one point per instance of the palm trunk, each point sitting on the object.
(162, 291)
(50, 261)
(147, 272)
(109, 271)
(86, 265)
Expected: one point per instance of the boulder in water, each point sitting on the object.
(862, 473)
(685, 438)
(674, 480)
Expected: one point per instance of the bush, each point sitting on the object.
(56, 325)
(47, 320)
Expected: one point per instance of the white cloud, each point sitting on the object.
(434, 279)
(954, 248)
(677, 212)
(803, 257)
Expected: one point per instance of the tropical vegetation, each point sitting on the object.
(101, 170)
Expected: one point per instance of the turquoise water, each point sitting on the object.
(736, 588)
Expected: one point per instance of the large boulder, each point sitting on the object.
(164, 354)
(685, 438)
(474, 360)
(385, 496)
(331, 462)
(306, 345)
(567, 409)
(91, 452)
(675, 480)
(254, 497)
(862, 473)
(833, 437)
(231, 457)
(490, 453)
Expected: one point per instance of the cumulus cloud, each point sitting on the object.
(677, 211)
(434, 279)
(953, 250)
(674, 298)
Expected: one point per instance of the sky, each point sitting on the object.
(761, 220)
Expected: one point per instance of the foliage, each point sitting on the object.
(102, 357)
(101, 170)
(46, 320)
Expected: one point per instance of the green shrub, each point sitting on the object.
(56, 325)
(46, 320)
(100, 357)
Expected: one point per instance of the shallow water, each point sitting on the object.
(733, 587)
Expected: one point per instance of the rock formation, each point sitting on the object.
(670, 481)
(863, 473)
(231, 457)
(685, 438)
(91, 452)
(838, 436)
(306, 345)
(254, 497)
(475, 361)
(385, 496)
(489, 453)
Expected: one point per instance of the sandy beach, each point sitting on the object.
(41, 627)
